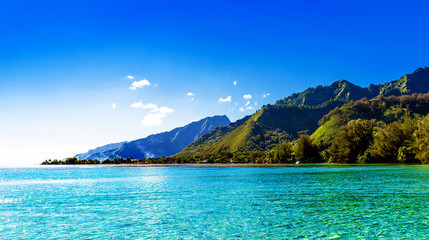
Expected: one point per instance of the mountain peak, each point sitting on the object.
(165, 143)
(343, 81)
(422, 69)
(415, 82)
(420, 72)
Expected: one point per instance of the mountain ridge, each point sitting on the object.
(160, 144)
(343, 90)
(295, 114)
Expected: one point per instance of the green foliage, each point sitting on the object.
(305, 150)
(255, 156)
(394, 143)
(382, 109)
(421, 144)
(282, 153)
(351, 142)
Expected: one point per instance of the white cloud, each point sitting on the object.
(130, 77)
(222, 100)
(153, 119)
(266, 95)
(137, 105)
(156, 114)
(155, 85)
(113, 105)
(247, 96)
(241, 109)
(139, 84)
(144, 106)
(153, 107)
(190, 94)
(192, 99)
(256, 103)
(165, 110)
(150, 106)
(249, 108)
(235, 83)
(248, 102)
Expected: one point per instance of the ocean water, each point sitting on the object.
(348, 202)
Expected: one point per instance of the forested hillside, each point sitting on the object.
(304, 113)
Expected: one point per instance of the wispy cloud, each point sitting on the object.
(250, 108)
(130, 77)
(139, 84)
(114, 105)
(266, 95)
(248, 102)
(222, 100)
(235, 83)
(241, 109)
(247, 96)
(192, 99)
(156, 114)
(190, 94)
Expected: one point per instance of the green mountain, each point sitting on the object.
(261, 131)
(298, 113)
(416, 82)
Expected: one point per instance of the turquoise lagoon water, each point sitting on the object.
(352, 202)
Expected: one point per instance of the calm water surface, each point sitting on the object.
(214, 203)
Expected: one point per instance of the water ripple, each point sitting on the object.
(200, 203)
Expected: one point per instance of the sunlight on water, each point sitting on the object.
(215, 203)
(74, 181)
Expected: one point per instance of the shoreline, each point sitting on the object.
(236, 165)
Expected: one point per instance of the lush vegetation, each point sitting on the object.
(402, 141)
(393, 129)
(351, 142)
(360, 141)
(268, 127)
(382, 110)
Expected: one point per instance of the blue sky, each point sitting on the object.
(67, 67)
